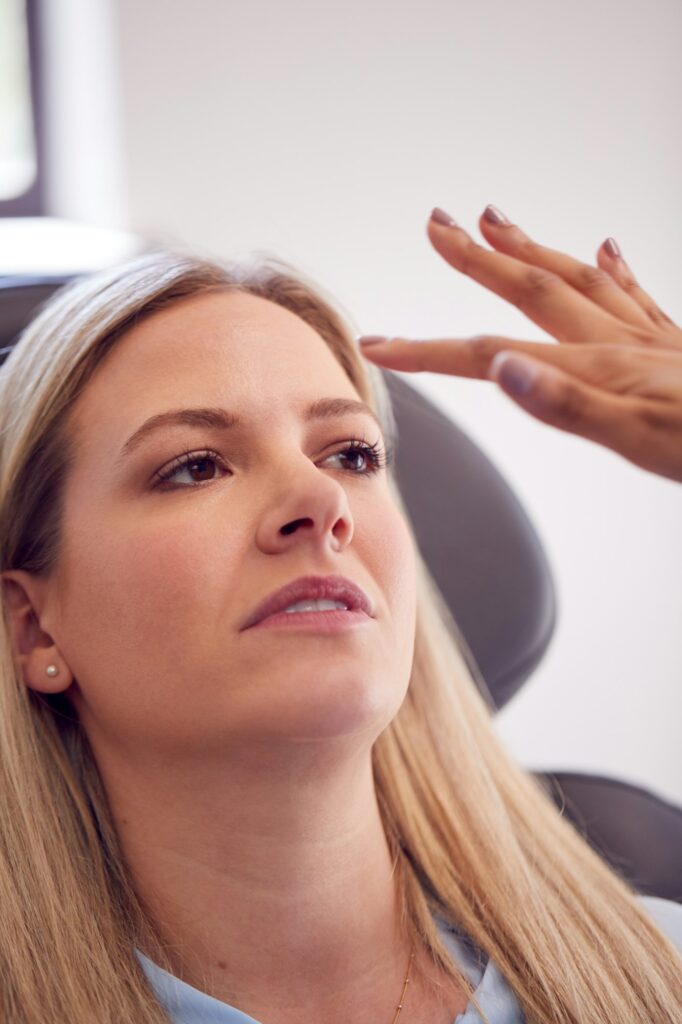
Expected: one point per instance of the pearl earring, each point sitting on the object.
(52, 670)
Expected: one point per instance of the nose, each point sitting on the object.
(314, 510)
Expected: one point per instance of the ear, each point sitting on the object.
(24, 597)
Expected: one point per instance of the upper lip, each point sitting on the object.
(330, 588)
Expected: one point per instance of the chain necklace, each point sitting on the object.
(406, 983)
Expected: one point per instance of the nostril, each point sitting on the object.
(290, 527)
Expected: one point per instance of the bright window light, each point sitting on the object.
(17, 144)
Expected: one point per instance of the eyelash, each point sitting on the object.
(378, 456)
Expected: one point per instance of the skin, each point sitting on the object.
(237, 764)
(615, 377)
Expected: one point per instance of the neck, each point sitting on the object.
(273, 891)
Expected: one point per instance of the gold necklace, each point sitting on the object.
(402, 995)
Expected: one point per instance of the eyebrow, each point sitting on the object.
(221, 419)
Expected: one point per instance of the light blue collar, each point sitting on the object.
(187, 1005)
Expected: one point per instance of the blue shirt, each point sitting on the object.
(187, 1005)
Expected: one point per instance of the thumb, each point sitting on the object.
(517, 375)
(562, 401)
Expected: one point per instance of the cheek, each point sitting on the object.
(143, 601)
(396, 572)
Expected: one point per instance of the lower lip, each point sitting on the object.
(332, 621)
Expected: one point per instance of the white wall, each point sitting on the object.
(82, 124)
(326, 133)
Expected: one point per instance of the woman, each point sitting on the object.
(213, 815)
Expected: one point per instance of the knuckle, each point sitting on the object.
(638, 295)
(657, 315)
(605, 356)
(540, 280)
(483, 348)
(627, 280)
(570, 405)
(657, 418)
(536, 283)
(644, 337)
(618, 368)
(589, 278)
(419, 358)
(607, 359)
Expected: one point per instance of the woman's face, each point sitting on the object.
(156, 579)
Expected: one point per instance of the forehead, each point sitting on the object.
(222, 348)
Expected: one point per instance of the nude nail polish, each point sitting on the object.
(441, 217)
(495, 216)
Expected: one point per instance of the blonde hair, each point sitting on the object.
(475, 837)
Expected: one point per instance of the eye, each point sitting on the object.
(374, 456)
(202, 459)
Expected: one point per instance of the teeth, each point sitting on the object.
(315, 606)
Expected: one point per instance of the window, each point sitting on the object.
(21, 170)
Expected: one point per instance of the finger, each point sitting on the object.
(595, 283)
(553, 397)
(541, 294)
(616, 266)
(608, 366)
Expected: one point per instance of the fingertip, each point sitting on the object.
(492, 215)
(612, 249)
(513, 373)
(365, 340)
(442, 219)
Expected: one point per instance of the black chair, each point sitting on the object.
(483, 552)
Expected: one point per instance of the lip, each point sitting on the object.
(330, 588)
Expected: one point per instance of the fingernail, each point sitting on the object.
(371, 339)
(517, 375)
(441, 217)
(495, 216)
(611, 246)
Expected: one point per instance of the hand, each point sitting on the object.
(616, 375)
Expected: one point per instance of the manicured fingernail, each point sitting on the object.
(495, 216)
(517, 375)
(441, 217)
(611, 246)
(371, 339)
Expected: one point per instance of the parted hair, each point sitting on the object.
(474, 836)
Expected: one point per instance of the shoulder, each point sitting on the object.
(667, 914)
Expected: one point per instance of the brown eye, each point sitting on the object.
(203, 471)
(372, 454)
(199, 465)
(366, 459)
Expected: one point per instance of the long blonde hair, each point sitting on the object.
(475, 837)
